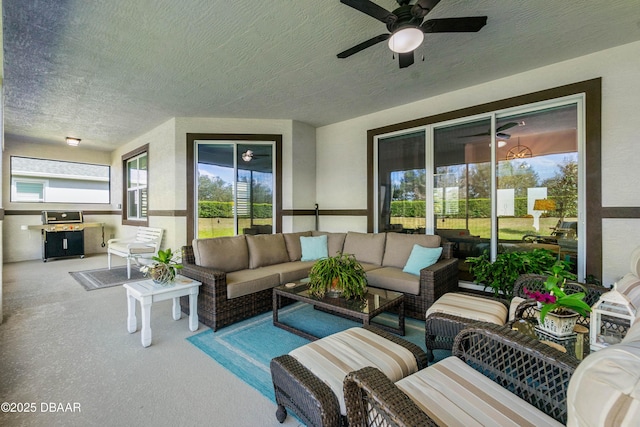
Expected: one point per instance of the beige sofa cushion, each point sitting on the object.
(292, 240)
(394, 279)
(335, 241)
(222, 253)
(246, 282)
(367, 247)
(398, 247)
(333, 357)
(266, 249)
(454, 394)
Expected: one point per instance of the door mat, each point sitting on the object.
(105, 278)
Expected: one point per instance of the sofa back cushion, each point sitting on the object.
(222, 253)
(399, 246)
(292, 240)
(335, 241)
(366, 247)
(266, 249)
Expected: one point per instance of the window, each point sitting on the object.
(55, 181)
(135, 182)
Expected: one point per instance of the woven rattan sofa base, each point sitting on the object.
(215, 310)
(515, 361)
(434, 282)
(299, 390)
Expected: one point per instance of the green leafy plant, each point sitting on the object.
(164, 268)
(556, 300)
(341, 272)
(501, 274)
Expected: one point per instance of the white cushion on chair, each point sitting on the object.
(470, 307)
(132, 248)
(453, 393)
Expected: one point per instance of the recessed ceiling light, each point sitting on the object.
(74, 142)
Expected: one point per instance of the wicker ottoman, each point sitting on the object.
(308, 380)
(453, 312)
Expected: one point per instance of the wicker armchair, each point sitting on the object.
(441, 328)
(516, 362)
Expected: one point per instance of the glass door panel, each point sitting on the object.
(402, 183)
(215, 190)
(537, 181)
(462, 188)
(254, 184)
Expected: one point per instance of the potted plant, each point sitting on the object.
(340, 275)
(164, 268)
(501, 274)
(559, 311)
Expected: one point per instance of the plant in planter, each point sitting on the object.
(501, 274)
(164, 268)
(564, 308)
(338, 275)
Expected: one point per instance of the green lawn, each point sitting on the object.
(510, 228)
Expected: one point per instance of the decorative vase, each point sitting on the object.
(162, 274)
(334, 290)
(558, 324)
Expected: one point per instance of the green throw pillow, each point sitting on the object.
(420, 258)
(313, 248)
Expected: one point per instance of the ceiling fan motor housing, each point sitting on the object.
(402, 18)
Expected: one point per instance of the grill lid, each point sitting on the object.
(61, 217)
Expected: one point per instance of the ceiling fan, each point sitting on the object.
(406, 26)
(499, 131)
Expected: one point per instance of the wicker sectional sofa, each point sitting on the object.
(238, 273)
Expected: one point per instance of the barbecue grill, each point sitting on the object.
(62, 234)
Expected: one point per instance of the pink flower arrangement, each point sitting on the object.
(543, 297)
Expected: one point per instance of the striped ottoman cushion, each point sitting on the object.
(470, 307)
(454, 394)
(333, 357)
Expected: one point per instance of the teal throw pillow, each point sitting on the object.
(420, 258)
(314, 248)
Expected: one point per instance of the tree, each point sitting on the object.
(411, 186)
(214, 189)
(563, 188)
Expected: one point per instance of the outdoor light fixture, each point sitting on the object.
(74, 142)
(406, 39)
(247, 156)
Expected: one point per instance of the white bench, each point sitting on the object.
(145, 244)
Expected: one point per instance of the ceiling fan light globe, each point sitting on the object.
(406, 40)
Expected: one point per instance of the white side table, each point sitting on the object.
(148, 292)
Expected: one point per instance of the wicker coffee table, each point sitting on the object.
(376, 301)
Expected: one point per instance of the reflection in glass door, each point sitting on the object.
(235, 188)
(525, 198)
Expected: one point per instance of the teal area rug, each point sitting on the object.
(247, 347)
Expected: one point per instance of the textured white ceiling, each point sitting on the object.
(108, 71)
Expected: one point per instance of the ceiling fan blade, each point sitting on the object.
(470, 24)
(506, 126)
(503, 135)
(405, 59)
(370, 8)
(364, 45)
(423, 7)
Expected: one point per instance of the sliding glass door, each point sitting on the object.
(505, 181)
(235, 188)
